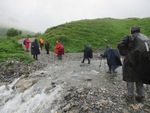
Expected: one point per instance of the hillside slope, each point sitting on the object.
(93, 32)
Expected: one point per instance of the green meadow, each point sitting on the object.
(75, 34)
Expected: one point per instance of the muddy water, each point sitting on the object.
(75, 73)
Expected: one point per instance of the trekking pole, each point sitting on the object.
(100, 63)
(105, 65)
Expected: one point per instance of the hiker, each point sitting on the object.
(47, 45)
(41, 41)
(59, 50)
(136, 66)
(113, 59)
(35, 49)
(27, 44)
(87, 53)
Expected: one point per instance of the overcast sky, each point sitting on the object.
(38, 15)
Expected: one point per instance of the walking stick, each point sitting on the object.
(101, 58)
(100, 63)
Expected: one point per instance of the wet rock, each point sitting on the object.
(89, 79)
(85, 108)
(48, 90)
(23, 84)
(67, 96)
(58, 111)
(67, 107)
(42, 73)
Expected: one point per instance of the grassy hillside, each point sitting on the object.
(10, 48)
(74, 35)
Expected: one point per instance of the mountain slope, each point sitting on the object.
(74, 35)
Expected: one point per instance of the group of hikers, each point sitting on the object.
(35, 51)
(134, 49)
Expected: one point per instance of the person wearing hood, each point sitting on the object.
(87, 53)
(27, 44)
(113, 59)
(136, 64)
(47, 46)
(59, 50)
(35, 49)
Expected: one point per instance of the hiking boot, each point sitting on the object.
(139, 98)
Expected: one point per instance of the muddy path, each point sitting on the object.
(71, 70)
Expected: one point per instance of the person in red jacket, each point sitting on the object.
(27, 44)
(59, 50)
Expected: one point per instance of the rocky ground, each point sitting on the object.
(88, 88)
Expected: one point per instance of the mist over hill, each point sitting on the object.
(3, 30)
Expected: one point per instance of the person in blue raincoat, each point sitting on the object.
(113, 58)
(35, 49)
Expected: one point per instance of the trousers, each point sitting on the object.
(139, 88)
(87, 59)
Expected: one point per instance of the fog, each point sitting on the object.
(38, 15)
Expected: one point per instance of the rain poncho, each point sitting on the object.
(35, 48)
(27, 43)
(136, 66)
(59, 49)
(113, 57)
(87, 52)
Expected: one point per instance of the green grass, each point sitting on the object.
(74, 35)
(10, 48)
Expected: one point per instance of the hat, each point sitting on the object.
(135, 29)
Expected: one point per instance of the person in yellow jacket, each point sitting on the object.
(41, 41)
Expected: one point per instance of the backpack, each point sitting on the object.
(142, 45)
(24, 42)
(142, 53)
(139, 42)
